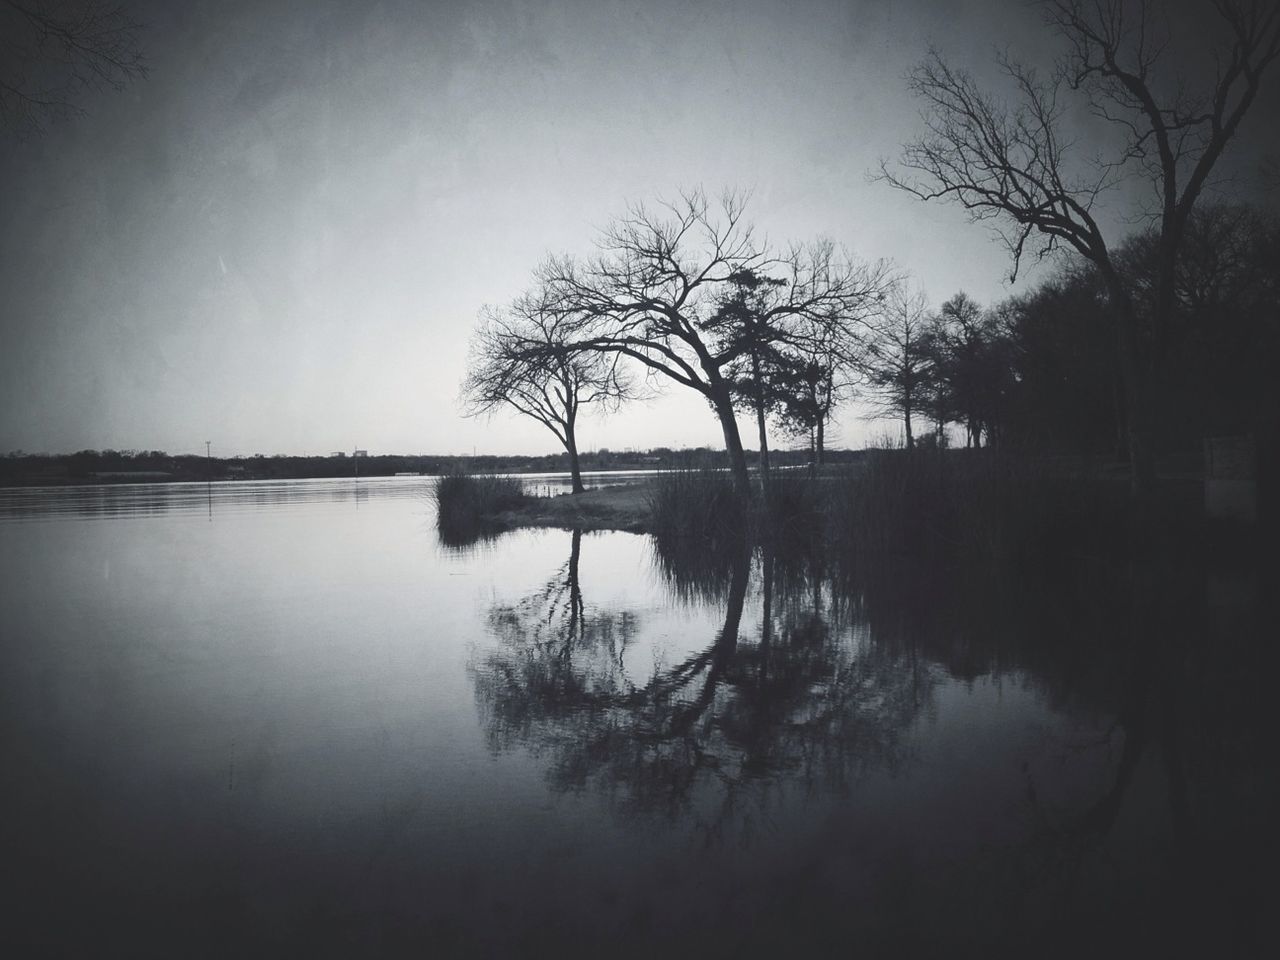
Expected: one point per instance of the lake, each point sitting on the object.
(282, 716)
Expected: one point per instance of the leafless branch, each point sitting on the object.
(55, 50)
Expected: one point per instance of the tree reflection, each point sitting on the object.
(557, 658)
(799, 698)
(811, 674)
(1182, 718)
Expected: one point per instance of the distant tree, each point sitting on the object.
(519, 358)
(958, 341)
(971, 367)
(1010, 165)
(808, 386)
(824, 366)
(899, 359)
(743, 320)
(55, 50)
(659, 276)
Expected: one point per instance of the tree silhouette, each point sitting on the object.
(660, 275)
(1011, 165)
(1066, 387)
(819, 370)
(520, 359)
(899, 361)
(970, 367)
(55, 51)
(741, 319)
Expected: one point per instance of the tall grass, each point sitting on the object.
(703, 529)
(468, 506)
(971, 507)
(794, 511)
(696, 505)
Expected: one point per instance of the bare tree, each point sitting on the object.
(519, 358)
(1011, 165)
(898, 360)
(659, 276)
(55, 50)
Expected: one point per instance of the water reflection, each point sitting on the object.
(1185, 710)
(797, 696)
(141, 500)
(138, 500)
(1142, 796)
(263, 731)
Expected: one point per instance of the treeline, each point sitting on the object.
(1039, 371)
(134, 466)
(686, 295)
(1158, 337)
(683, 293)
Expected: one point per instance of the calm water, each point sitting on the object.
(283, 716)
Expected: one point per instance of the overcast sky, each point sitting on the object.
(279, 241)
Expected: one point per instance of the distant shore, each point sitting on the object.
(155, 466)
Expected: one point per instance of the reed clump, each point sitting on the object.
(696, 504)
(794, 510)
(468, 505)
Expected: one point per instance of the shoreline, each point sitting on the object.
(623, 506)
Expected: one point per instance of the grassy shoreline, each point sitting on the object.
(619, 507)
(951, 510)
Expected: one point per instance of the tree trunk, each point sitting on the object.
(764, 438)
(571, 444)
(765, 478)
(818, 442)
(575, 590)
(732, 440)
(766, 616)
(906, 420)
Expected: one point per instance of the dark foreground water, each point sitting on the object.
(282, 718)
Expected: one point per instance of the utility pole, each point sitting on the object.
(208, 459)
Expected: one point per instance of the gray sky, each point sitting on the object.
(280, 240)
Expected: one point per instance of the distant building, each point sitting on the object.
(361, 453)
(338, 453)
